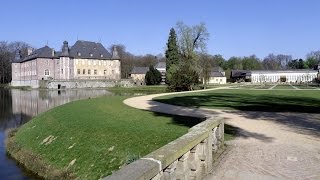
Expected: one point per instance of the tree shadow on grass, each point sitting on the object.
(191, 117)
(300, 114)
(186, 121)
(265, 103)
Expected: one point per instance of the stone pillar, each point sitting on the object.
(183, 170)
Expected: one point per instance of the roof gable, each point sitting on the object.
(140, 70)
(44, 52)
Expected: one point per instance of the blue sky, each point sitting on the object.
(236, 27)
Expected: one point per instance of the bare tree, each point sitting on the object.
(192, 39)
(205, 68)
(7, 53)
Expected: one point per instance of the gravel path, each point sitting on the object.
(269, 145)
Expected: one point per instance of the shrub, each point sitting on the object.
(153, 76)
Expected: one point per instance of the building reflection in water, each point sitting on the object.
(19, 106)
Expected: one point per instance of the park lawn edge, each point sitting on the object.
(32, 162)
(38, 166)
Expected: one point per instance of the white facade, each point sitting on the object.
(292, 76)
(217, 80)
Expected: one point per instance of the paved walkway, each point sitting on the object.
(269, 146)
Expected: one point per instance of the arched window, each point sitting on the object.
(46, 72)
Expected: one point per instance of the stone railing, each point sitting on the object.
(188, 157)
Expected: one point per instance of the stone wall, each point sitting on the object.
(31, 83)
(188, 157)
(73, 84)
(43, 64)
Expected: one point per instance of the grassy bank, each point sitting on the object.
(254, 100)
(89, 139)
(139, 89)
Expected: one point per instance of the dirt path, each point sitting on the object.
(269, 146)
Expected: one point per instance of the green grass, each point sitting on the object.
(219, 85)
(105, 135)
(307, 87)
(283, 87)
(253, 100)
(139, 89)
(264, 86)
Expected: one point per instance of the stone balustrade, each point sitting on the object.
(188, 157)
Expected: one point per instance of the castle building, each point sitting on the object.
(84, 60)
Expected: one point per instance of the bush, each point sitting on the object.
(182, 78)
(153, 76)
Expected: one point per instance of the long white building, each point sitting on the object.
(276, 76)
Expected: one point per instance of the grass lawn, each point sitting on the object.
(264, 86)
(307, 87)
(139, 89)
(283, 87)
(253, 100)
(98, 135)
(219, 85)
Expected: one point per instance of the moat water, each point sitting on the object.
(19, 106)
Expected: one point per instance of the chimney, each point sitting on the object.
(52, 52)
(29, 50)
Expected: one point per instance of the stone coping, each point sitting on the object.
(152, 164)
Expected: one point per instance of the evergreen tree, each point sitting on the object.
(153, 76)
(172, 52)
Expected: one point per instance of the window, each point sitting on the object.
(58, 61)
(83, 62)
(91, 54)
(89, 62)
(95, 71)
(83, 71)
(101, 55)
(105, 72)
(76, 61)
(94, 62)
(104, 63)
(79, 54)
(89, 71)
(46, 72)
(78, 71)
(61, 71)
(99, 63)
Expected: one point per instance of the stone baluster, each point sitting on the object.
(194, 163)
(220, 135)
(221, 127)
(203, 155)
(183, 170)
(169, 172)
(209, 158)
(214, 140)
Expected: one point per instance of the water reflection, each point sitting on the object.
(19, 106)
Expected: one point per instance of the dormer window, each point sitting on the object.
(91, 54)
(101, 55)
(79, 53)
